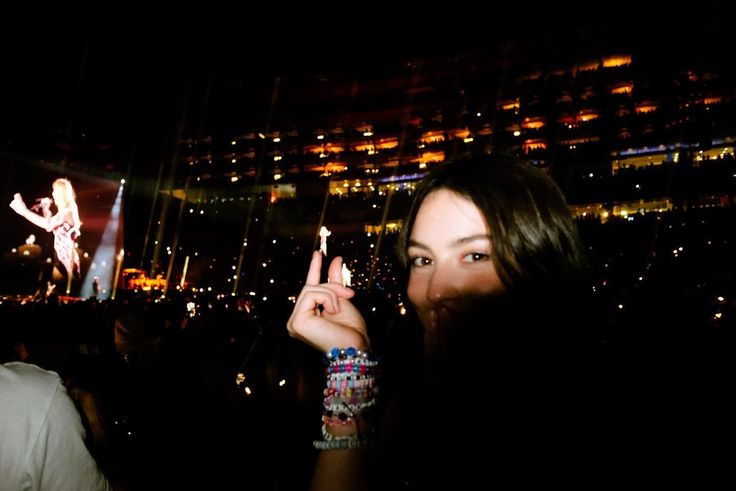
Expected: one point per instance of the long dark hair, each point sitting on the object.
(535, 242)
(528, 348)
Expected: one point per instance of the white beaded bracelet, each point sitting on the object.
(345, 443)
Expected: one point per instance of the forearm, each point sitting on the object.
(347, 431)
(341, 470)
(35, 219)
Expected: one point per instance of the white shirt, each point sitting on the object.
(41, 434)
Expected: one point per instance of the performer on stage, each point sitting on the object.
(65, 225)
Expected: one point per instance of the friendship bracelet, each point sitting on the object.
(349, 376)
(351, 390)
(352, 443)
(349, 398)
(353, 408)
(335, 368)
(345, 353)
(345, 386)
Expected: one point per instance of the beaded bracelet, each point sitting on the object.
(345, 353)
(350, 391)
(355, 409)
(348, 443)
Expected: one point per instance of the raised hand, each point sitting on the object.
(324, 316)
(18, 205)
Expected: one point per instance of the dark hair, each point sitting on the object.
(535, 242)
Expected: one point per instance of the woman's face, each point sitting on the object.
(450, 259)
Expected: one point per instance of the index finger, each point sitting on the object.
(315, 269)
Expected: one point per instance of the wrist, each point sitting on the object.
(350, 396)
(346, 429)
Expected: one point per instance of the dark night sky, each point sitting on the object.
(119, 77)
(118, 81)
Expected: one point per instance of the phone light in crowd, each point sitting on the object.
(240, 382)
(402, 309)
(192, 309)
(122, 181)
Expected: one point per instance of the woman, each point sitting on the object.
(65, 225)
(493, 259)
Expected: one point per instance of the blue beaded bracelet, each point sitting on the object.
(345, 354)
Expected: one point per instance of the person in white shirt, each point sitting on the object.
(41, 434)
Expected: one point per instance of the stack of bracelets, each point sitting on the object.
(349, 396)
